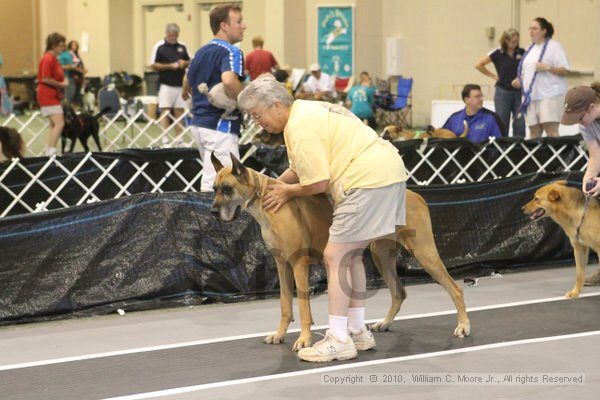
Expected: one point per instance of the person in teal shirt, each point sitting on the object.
(66, 61)
(361, 98)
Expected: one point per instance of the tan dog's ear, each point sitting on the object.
(238, 168)
(553, 195)
(215, 162)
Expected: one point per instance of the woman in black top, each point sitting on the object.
(507, 98)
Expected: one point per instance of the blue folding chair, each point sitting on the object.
(395, 109)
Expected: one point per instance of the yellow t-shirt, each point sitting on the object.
(326, 141)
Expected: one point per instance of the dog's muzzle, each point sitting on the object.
(537, 214)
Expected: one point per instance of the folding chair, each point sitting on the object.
(395, 109)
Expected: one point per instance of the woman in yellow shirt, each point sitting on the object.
(331, 150)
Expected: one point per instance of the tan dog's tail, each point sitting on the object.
(466, 131)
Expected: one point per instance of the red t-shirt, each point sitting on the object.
(49, 68)
(258, 62)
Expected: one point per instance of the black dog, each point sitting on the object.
(81, 126)
(11, 143)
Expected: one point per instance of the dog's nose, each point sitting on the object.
(215, 212)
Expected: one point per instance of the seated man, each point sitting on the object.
(483, 123)
(319, 86)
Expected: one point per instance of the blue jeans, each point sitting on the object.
(507, 102)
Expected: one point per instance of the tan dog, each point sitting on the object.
(397, 133)
(298, 232)
(566, 206)
(442, 133)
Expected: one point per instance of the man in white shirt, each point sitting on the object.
(319, 86)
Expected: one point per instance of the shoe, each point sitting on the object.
(328, 349)
(593, 280)
(363, 340)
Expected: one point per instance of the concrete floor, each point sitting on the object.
(78, 337)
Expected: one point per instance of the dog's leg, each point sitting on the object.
(421, 244)
(95, 130)
(301, 274)
(286, 287)
(581, 258)
(384, 253)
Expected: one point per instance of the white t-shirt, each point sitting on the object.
(592, 132)
(546, 84)
(323, 84)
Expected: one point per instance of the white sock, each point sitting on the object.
(338, 325)
(356, 319)
(50, 151)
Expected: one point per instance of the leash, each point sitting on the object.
(590, 184)
(527, 93)
(585, 210)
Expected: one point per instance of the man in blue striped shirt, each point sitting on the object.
(216, 62)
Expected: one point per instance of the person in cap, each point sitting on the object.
(319, 86)
(582, 106)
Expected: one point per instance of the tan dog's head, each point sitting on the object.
(546, 200)
(232, 189)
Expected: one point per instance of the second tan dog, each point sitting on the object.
(298, 232)
(566, 206)
(397, 133)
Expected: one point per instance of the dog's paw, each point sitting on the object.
(572, 294)
(380, 326)
(462, 330)
(203, 88)
(274, 339)
(302, 343)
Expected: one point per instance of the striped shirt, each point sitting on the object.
(209, 62)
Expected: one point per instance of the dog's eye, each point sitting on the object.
(226, 190)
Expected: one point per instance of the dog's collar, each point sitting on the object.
(257, 191)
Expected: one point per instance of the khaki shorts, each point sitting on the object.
(51, 110)
(545, 110)
(366, 214)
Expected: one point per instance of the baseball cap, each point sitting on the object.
(577, 100)
(315, 67)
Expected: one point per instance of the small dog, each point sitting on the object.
(81, 126)
(218, 98)
(442, 133)
(566, 206)
(298, 232)
(397, 133)
(267, 139)
(11, 143)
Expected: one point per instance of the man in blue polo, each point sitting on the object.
(483, 123)
(216, 62)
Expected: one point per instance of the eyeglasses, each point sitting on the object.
(258, 117)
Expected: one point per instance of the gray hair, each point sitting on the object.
(264, 91)
(172, 27)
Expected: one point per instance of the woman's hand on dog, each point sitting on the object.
(277, 195)
(595, 190)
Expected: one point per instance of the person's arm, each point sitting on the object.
(165, 67)
(560, 71)
(231, 83)
(593, 167)
(55, 83)
(289, 176)
(186, 89)
(481, 67)
(280, 193)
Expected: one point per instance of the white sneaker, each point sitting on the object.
(328, 349)
(363, 340)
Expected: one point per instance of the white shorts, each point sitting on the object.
(545, 110)
(209, 140)
(366, 214)
(170, 97)
(51, 110)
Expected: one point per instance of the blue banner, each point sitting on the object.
(335, 40)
